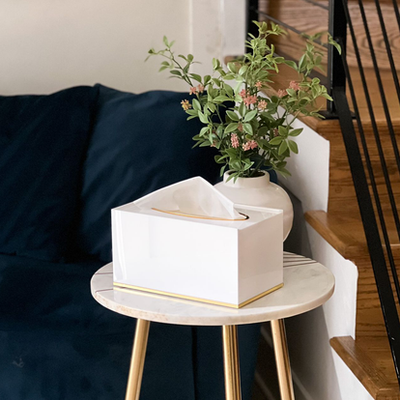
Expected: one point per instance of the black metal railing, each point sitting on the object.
(372, 208)
(375, 169)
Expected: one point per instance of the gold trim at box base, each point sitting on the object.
(124, 287)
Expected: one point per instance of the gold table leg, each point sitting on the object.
(282, 359)
(137, 360)
(231, 363)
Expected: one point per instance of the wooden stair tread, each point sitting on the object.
(371, 362)
(343, 233)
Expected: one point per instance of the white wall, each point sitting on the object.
(47, 45)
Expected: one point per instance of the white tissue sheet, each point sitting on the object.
(194, 197)
(227, 260)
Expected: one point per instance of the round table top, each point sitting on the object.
(307, 285)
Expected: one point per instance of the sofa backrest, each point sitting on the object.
(43, 142)
(139, 143)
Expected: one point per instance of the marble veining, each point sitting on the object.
(307, 285)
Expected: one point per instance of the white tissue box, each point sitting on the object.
(158, 248)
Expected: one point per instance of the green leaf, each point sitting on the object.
(220, 130)
(291, 92)
(248, 128)
(296, 132)
(175, 72)
(211, 107)
(196, 77)
(335, 44)
(263, 131)
(293, 146)
(302, 62)
(283, 147)
(222, 170)
(192, 112)
(242, 109)
(222, 98)
(284, 172)
(232, 115)
(215, 63)
(231, 127)
(204, 131)
(247, 164)
(203, 118)
(243, 70)
(283, 131)
(165, 40)
(196, 105)
(249, 116)
(291, 64)
(218, 159)
(326, 96)
(276, 141)
(228, 89)
(162, 68)
(232, 67)
(232, 153)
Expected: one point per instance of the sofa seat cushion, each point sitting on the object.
(43, 141)
(140, 143)
(49, 295)
(58, 343)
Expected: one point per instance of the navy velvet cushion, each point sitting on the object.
(140, 143)
(58, 343)
(43, 140)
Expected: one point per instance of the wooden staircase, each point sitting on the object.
(368, 355)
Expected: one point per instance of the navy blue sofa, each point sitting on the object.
(66, 159)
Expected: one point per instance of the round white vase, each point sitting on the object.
(259, 192)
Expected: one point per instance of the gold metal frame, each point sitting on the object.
(282, 359)
(137, 360)
(230, 356)
(231, 363)
(181, 214)
(128, 288)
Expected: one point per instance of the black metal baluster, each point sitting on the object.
(337, 28)
(252, 15)
(393, 140)
(365, 147)
(315, 3)
(377, 256)
(396, 11)
(388, 49)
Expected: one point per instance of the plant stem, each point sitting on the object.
(258, 165)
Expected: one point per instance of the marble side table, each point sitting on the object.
(307, 285)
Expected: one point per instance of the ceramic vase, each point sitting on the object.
(259, 192)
